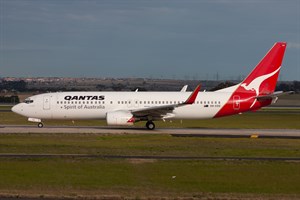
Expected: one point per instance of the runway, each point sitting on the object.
(176, 132)
(233, 158)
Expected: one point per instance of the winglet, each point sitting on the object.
(193, 96)
(184, 88)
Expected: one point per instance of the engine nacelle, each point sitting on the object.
(124, 118)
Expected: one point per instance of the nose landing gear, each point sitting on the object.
(36, 120)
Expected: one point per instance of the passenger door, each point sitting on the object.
(46, 103)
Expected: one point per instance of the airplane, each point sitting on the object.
(127, 108)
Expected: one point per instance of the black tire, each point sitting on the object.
(150, 125)
(40, 125)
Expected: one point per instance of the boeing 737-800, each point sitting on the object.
(126, 108)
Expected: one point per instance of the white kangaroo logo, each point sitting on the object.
(255, 84)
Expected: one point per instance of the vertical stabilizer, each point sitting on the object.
(264, 77)
(261, 81)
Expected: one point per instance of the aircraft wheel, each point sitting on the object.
(40, 125)
(150, 125)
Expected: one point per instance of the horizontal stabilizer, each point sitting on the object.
(274, 95)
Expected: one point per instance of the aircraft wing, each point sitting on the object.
(164, 110)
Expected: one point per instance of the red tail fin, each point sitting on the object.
(261, 81)
(264, 76)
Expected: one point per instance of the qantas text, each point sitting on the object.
(102, 97)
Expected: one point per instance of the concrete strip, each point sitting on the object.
(235, 158)
(293, 133)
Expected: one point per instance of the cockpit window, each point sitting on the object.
(28, 101)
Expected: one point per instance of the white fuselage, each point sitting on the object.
(95, 105)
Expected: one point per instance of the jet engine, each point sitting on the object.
(121, 117)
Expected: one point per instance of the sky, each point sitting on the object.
(205, 39)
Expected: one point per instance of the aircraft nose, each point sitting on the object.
(17, 109)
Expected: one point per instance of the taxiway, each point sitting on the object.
(176, 132)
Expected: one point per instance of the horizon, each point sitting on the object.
(147, 78)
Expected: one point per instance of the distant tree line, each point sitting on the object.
(222, 85)
(281, 86)
(289, 86)
(13, 85)
(9, 99)
(52, 89)
(21, 86)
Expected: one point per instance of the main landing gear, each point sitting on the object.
(40, 125)
(150, 125)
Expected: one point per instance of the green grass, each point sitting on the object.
(143, 178)
(5, 107)
(257, 120)
(159, 178)
(162, 145)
